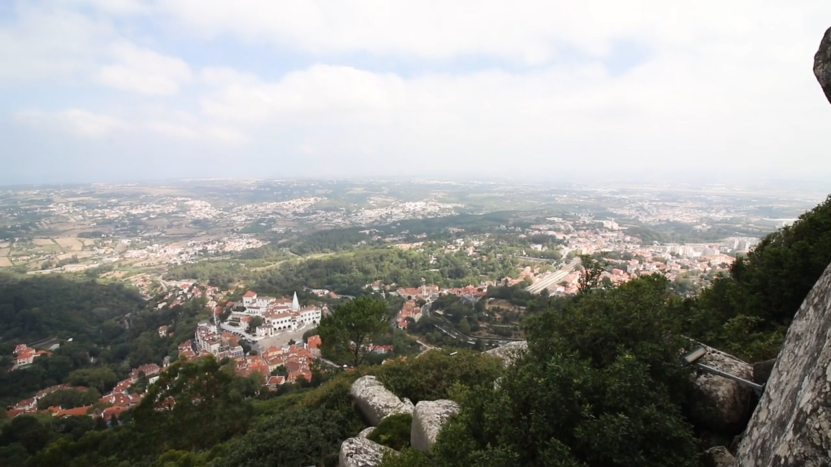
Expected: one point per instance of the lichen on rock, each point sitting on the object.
(361, 452)
(509, 353)
(428, 418)
(377, 402)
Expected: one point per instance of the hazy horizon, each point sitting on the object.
(142, 90)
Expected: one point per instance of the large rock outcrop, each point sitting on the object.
(718, 456)
(791, 426)
(724, 405)
(428, 418)
(377, 402)
(509, 353)
(361, 452)
(822, 64)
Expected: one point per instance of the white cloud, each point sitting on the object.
(527, 31)
(116, 7)
(717, 87)
(172, 125)
(45, 44)
(175, 130)
(76, 121)
(675, 111)
(144, 71)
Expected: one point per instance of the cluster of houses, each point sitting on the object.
(410, 310)
(295, 358)
(427, 292)
(179, 292)
(116, 401)
(209, 340)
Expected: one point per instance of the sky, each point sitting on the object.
(134, 90)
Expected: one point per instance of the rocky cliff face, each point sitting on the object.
(791, 426)
(822, 64)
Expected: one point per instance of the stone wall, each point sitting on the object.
(428, 418)
(361, 452)
(791, 426)
(377, 402)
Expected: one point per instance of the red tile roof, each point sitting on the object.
(76, 412)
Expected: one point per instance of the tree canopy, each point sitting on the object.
(353, 327)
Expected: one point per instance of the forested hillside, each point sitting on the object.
(98, 343)
(229, 425)
(39, 307)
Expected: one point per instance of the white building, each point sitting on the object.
(278, 314)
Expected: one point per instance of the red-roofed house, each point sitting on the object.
(76, 412)
(313, 342)
(111, 412)
(297, 374)
(275, 381)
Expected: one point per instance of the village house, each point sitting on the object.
(411, 310)
(24, 355)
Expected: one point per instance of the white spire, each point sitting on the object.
(295, 304)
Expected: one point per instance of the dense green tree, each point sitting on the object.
(254, 323)
(69, 398)
(192, 406)
(600, 386)
(102, 379)
(393, 431)
(592, 269)
(297, 438)
(353, 327)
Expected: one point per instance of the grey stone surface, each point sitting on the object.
(822, 64)
(725, 405)
(509, 353)
(360, 452)
(428, 418)
(377, 402)
(718, 456)
(366, 432)
(791, 426)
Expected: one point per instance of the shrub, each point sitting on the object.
(393, 431)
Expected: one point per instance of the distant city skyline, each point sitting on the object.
(140, 90)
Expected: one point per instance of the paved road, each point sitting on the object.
(238, 331)
(425, 310)
(553, 278)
